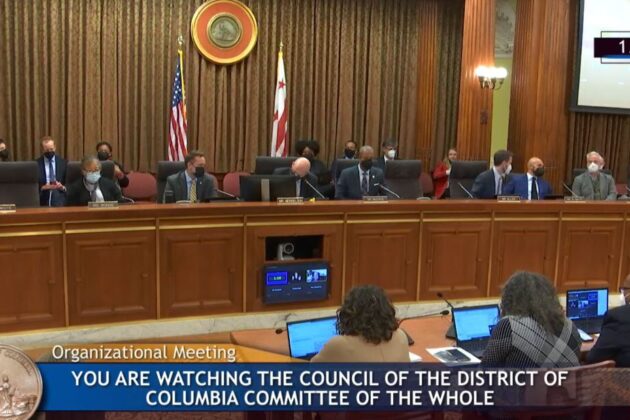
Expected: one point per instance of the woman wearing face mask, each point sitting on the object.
(441, 173)
(92, 187)
(104, 152)
(309, 149)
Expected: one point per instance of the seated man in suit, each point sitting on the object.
(530, 186)
(360, 180)
(52, 175)
(388, 148)
(614, 340)
(594, 184)
(490, 183)
(305, 181)
(92, 186)
(193, 183)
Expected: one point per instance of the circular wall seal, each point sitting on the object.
(224, 31)
(20, 384)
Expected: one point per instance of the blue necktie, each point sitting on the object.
(51, 172)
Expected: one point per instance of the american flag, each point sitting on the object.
(178, 141)
(280, 136)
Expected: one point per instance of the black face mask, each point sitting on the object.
(538, 172)
(200, 171)
(49, 155)
(349, 153)
(309, 156)
(4, 154)
(366, 165)
(103, 155)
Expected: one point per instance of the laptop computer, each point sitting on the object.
(473, 326)
(586, 308)
(307, 337)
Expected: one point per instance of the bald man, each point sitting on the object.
(530, 186)
(614, 340)
(361, 180)
(594, 184)
(301, 170)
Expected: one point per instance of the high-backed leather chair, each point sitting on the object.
(403, 177)
(19, 183)
(340, 164)
(463, 173)
(265, 165)
(165, 169)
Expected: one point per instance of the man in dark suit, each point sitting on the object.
(92, 187)
(360, 180)
(193, 183)
(300, 169)
(491, 183)
(52, 175)
(349, 152)
(614, 340)
(530, 186)
(389, 148)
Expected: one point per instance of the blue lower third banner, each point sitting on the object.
(334, 387)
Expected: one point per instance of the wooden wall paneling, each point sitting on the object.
(455, 258)
(543, 55)
(523, 245)
(625, 261)
(590, 250)
(111, 275)
(201, 271)
(31, 281)
(474, 130)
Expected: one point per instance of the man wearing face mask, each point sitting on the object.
(389, 148)
(92, 187)
(358, 181)
(594, 184)
(614, 340)
(4, 152)
(104, 152)
(530, 186)
(492, 182)
(350, 150)
(193, 183)
(52, 175)
(300, 168)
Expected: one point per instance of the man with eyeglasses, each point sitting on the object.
(614, 340)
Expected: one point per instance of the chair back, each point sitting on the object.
(426, 181)
(232, 182)
(341, 164)
(142, 186)
(165, 169)
(265, 165)
(464, 172)
(73, 171)
(403, 177)
(19, 183)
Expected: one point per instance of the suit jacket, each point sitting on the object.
(484, 186)
(583, 186)
(614, 340)
(349, 348)
(349, 183)
(519, 185)
(78, 195)
(305, 191)
(440, 179)
(58, 197)
(176, 184)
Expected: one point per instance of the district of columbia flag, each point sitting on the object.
(177, 139)
(280, 132)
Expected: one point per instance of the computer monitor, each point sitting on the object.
(476, 322)
(587, 303)
(307, 337)
(295, 282)
(265, 165)
(279, 186)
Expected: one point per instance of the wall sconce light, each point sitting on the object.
(491, 77)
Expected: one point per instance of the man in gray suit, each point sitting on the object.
(193, 183)
(360, 180)
(594, 184)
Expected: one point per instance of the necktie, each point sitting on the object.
(534, 189)
(193, 191)
(500, 186)
(365, 189)
(51, 171)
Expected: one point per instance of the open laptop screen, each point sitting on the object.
(306, 338)
(475, 322)
(587, 303)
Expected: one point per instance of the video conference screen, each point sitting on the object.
(298, 282)
(602, 79)
(584, 304)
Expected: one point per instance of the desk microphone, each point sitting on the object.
(387, 190)
(314, 189)
(450, 333)
(226, 193)
(465, 190)
(569, 189)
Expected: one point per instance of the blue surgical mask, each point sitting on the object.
(92, 177)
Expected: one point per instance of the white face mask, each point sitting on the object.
(622, 299)
(593, 167)
(391, 154)
(508, 169)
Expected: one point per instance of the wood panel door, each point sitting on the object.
(523, 245)
(385, 255)
(31, 280)
(455, 259)
(111, 276)
(201, 271)
(625, 263)
(590, 253)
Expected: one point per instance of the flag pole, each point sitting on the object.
(180, 52)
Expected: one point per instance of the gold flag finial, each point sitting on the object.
(281, 46)
(180, 41)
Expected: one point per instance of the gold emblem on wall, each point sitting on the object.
(224, 31)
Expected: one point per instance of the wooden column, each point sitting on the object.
(542, 73)
(474, 127)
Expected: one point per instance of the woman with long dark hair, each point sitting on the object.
(368, 330)
(533, 331)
